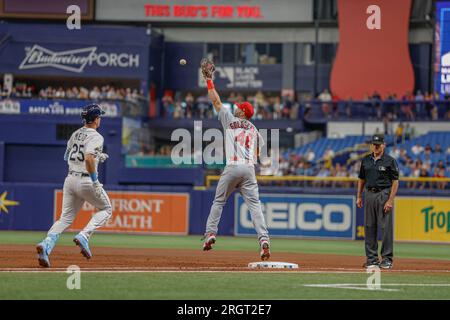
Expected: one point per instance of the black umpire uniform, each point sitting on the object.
(378, 176)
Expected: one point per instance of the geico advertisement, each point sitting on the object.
(300, 215)
(422, 219)
(136, 212)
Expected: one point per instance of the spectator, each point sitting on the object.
(203, 106)
(335, 99)
(408, 132)
(423, 174)
(329, 153)
(349, 107)
(395, 153)
(390, 107)
(94, 94)
(407, 107)
(190, 111)
(323, 172)
(430, 107)
(399, 133)
(288, 104)
(417, 149)
(310, 155)
(376, 103)
(168, 106)
(439, 172)
(419, 101)
(325, 98)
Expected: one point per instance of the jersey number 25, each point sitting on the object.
(77, 151)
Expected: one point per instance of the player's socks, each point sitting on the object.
(50, 241)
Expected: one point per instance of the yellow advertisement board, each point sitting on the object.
(422, 219)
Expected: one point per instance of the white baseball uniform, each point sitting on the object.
(241, 138)
(78, 186)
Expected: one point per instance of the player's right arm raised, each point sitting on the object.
(214, 96)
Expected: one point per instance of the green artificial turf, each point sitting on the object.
(224, 285)
(219, 286)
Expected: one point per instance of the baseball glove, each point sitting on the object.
(208, 68)
(103, 157)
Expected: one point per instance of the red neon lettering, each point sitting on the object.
(249, 12)
(222, 11)
(157, 10)
(204, 10)
(190, 11)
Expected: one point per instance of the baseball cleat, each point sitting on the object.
(265, 250)
(371, 264)
(386, 264)
(43, 259)
(83, 243)
(210, 239)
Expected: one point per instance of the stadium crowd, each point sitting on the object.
(106, 92)
(424, 106)
(266, 107)
(418, 162)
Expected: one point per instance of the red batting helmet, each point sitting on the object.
(247, 108)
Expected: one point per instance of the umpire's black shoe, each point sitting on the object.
(386, 264)
(371, 264)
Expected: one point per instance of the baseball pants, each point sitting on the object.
(241, 177)
(374, 217)
(76, 191)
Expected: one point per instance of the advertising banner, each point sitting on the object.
(266, 77)
(93, 51)
(314, 216)
(422, 219)
(137, 212)
(213, 11)
(55, 107)
(442, 48)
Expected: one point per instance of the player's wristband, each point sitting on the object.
(94, 176)
(210, 84)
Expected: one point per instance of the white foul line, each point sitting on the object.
(359, 286)
(207, 270)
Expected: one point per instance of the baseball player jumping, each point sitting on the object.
(83, 153)
(241, 138)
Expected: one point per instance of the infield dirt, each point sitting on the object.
(104, 258)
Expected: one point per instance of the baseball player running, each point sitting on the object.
(241, 138)
(83, 153)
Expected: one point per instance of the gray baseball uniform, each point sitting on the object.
(78, 186)
(241, 138)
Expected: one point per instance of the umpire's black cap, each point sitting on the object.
(91, 112)
(377, 139)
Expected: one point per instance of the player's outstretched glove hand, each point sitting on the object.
(208, 68)
(103, 157)
(98, 189)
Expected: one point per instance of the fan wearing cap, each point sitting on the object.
(241, 150)
(378, 176)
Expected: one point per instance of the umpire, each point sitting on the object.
(379, 176)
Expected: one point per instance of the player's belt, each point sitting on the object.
(376, 189)
(78, 174)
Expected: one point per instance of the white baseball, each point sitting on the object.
(182, 62)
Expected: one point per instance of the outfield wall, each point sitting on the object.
(289, 212)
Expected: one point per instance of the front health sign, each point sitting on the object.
(300, 216)
(137, 212)
(422, 219)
